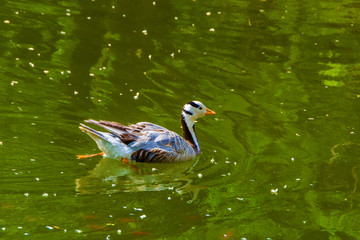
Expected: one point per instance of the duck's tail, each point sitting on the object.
(96, 135)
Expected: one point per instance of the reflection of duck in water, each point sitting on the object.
(148, 142)
(111, 176)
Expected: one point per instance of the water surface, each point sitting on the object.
(280, 160)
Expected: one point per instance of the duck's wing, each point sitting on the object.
(145, 135)
(160, 145)
(161, 138)
(146, 126)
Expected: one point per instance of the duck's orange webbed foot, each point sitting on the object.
(88, 156)
(127, 163)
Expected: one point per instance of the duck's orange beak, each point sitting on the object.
(209, 112)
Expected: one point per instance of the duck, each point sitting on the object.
(148, 142)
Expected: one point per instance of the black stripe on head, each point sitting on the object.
(187, 112)
(193, 104)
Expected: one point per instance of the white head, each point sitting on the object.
(191, 111)
(195, 109)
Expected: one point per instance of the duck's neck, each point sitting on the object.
(188, 126)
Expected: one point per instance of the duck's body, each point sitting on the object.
(148, 142)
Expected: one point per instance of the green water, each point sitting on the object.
(280, 160)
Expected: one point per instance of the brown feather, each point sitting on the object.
(114, 125)
(128, 138)
(151, 156)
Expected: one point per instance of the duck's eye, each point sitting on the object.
(200, 108)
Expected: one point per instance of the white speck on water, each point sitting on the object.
(3, 228)
(274, 191)
(37, 179)
(298, 179)
(31, 64)
(136, 96)
(26, 194)
(6, 21)
(142, 216)
(208, 13)
(78, 231)
(292, 159)
(119, 231)
(45, 195)
(138, 209)
(199, 175)
(49, 227)
(212, 29)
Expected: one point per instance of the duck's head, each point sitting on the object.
(195, 109)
